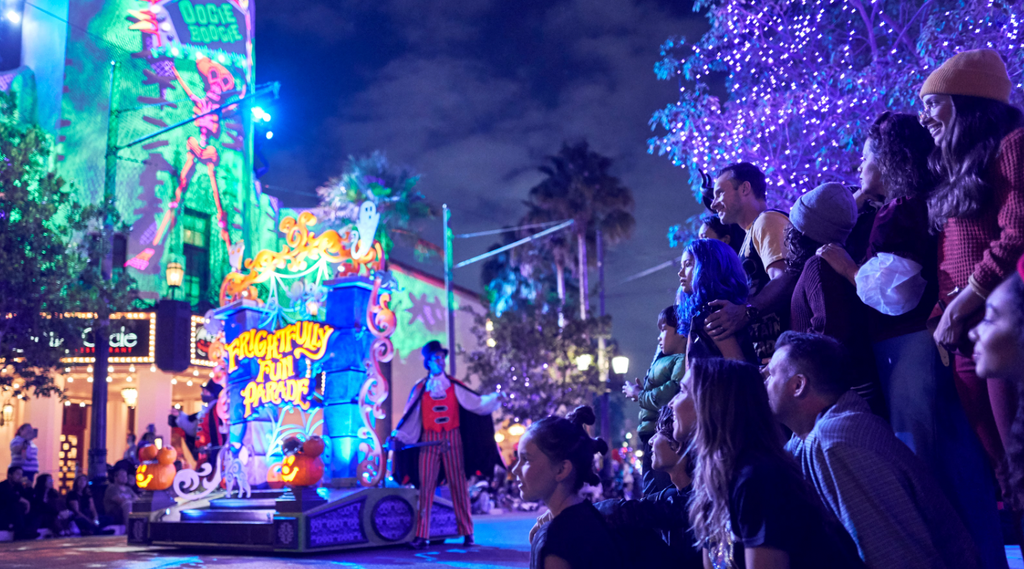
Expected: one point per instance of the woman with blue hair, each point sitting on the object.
(711, 270)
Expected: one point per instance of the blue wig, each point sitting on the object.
(717, 275)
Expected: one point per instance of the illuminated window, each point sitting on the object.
(196, 249)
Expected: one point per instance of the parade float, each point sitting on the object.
(301, 336)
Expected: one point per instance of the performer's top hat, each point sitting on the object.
(213, 387)
(432, 348)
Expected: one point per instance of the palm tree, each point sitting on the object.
(580, 187)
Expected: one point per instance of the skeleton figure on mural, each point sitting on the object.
(218, 81)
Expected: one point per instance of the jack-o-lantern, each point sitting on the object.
(274, 479)
(158, 475)
(304, 467)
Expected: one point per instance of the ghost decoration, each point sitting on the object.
(366, 228)
(235, 254)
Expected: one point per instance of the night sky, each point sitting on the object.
(473, 95)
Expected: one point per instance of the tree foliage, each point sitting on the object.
(47, 239)
(392, 188)
(531, 359)
(805, 79)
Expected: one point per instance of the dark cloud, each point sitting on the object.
(474, 95)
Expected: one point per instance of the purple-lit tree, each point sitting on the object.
(804, 79)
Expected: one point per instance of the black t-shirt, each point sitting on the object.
(771, 505)
(580, 536)
(82, 499)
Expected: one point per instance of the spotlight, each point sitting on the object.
(13, 17)
(270, 134)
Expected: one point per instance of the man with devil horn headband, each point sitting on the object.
(444, 421)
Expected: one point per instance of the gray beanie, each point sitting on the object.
(826, 214)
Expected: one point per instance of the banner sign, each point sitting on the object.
(275, 353)
(131, 340)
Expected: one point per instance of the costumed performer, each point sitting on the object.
(206, 426)
(444, 422)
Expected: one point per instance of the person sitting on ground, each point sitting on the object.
(14, 506)
(739, 197)
(744, 483)
(999, 353)
(117, 501)
(823, 301)
(556, 457)
(24, 452)
(664, 512)
(729, 233)
(876, 486)
(47, 506)
(83, 509)
(658, 388)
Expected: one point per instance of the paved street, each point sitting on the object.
(501, 542)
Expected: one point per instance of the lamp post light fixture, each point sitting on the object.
(175, 274)
(8, 414)
(620, 365)
(130, 395)
(583, 361)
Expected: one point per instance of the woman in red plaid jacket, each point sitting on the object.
(978, 210)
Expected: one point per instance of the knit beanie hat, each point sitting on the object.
(977, 73)
(826, 214)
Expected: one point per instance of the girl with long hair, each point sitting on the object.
(977, 208)
(999, 353)
(744, 482)
(556, 457)
(711, 270)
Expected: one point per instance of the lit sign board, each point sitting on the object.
(132, 336)
(218, 25)
(275, 352)
(205, 348)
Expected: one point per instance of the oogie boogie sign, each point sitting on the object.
(275, 354)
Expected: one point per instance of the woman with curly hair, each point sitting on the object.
(898, 280)
(978, 210)
(556, 457)
(744, 482)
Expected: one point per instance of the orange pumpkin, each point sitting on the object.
(274, 479)
(167, 455)
(301, 470)
(155, 476)
(313, 447)
(148, 453)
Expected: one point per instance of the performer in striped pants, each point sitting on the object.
(435, 413)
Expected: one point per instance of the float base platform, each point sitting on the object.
(306, 521)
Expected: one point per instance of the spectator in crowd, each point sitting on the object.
(898, 279)
(659, 387)
(664, 512)
(999, 353)
(824, 301)
(15, 505)
(131, 451)
(117, 501)
(711, 271)
(978, 210)
(871, 482)
(556, 457)
(82, 506)
(739, 197)
(48, 508)
(712, 228)
(24, 452)
(744, 482)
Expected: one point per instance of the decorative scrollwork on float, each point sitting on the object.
(304, 253)
(381, 321)
(187, 482)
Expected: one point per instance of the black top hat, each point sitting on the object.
(432, 348)
(213, 387)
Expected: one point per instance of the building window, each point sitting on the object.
(196, 250)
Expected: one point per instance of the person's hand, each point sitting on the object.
(840, 260)
(632, 390)
(175, 412)
(952, 329)
(726, 320)
(948, 334)
(541, 520)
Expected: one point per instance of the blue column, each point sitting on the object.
(239, 317)
(344, 372)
